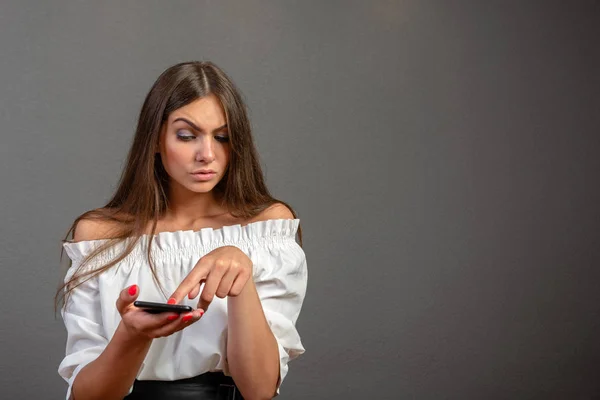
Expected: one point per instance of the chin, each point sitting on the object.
(202, 187)
(197, 187)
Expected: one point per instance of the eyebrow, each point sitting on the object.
(196, 127)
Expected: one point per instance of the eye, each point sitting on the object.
(222, 139)
(185, 136)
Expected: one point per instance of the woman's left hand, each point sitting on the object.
(224, 272)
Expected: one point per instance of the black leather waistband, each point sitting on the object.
(208, 386)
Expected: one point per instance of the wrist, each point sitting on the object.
(248, 292)
(127, 337)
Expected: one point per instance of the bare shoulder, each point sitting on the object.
(275, 211)
(95, 229)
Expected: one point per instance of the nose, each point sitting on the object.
(205, 152)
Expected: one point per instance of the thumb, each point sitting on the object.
(127, 297)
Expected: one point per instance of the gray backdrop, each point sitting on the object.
(442, 155)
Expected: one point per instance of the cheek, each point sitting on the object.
(224, 155)
(176, 156)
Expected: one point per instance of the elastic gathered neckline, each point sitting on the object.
(188, 242)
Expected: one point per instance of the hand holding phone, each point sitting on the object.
(144, 320)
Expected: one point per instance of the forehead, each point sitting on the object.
(205, 112)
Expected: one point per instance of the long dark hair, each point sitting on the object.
(141, 197)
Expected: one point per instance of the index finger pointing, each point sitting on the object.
(187, 285)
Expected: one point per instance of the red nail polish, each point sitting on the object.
(171, 301)
(172, 317)
(187, 318)
(201, 312)
(133, 290)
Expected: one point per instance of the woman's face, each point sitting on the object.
(194, 145)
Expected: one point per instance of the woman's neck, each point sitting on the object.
(186, 207)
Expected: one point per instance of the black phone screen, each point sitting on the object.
(155, 308)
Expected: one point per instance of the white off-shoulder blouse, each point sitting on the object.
(91, 317)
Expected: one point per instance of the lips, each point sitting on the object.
(203, 175)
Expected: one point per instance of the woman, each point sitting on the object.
(193, 223)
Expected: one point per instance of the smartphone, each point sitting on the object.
(155, 308)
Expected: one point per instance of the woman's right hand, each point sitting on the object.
(141, 324)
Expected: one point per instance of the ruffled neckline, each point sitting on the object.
(189, 240)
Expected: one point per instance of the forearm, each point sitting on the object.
(252, 350)
(111, 375)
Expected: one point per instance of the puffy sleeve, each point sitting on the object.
(82, 316)
(281, 278)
